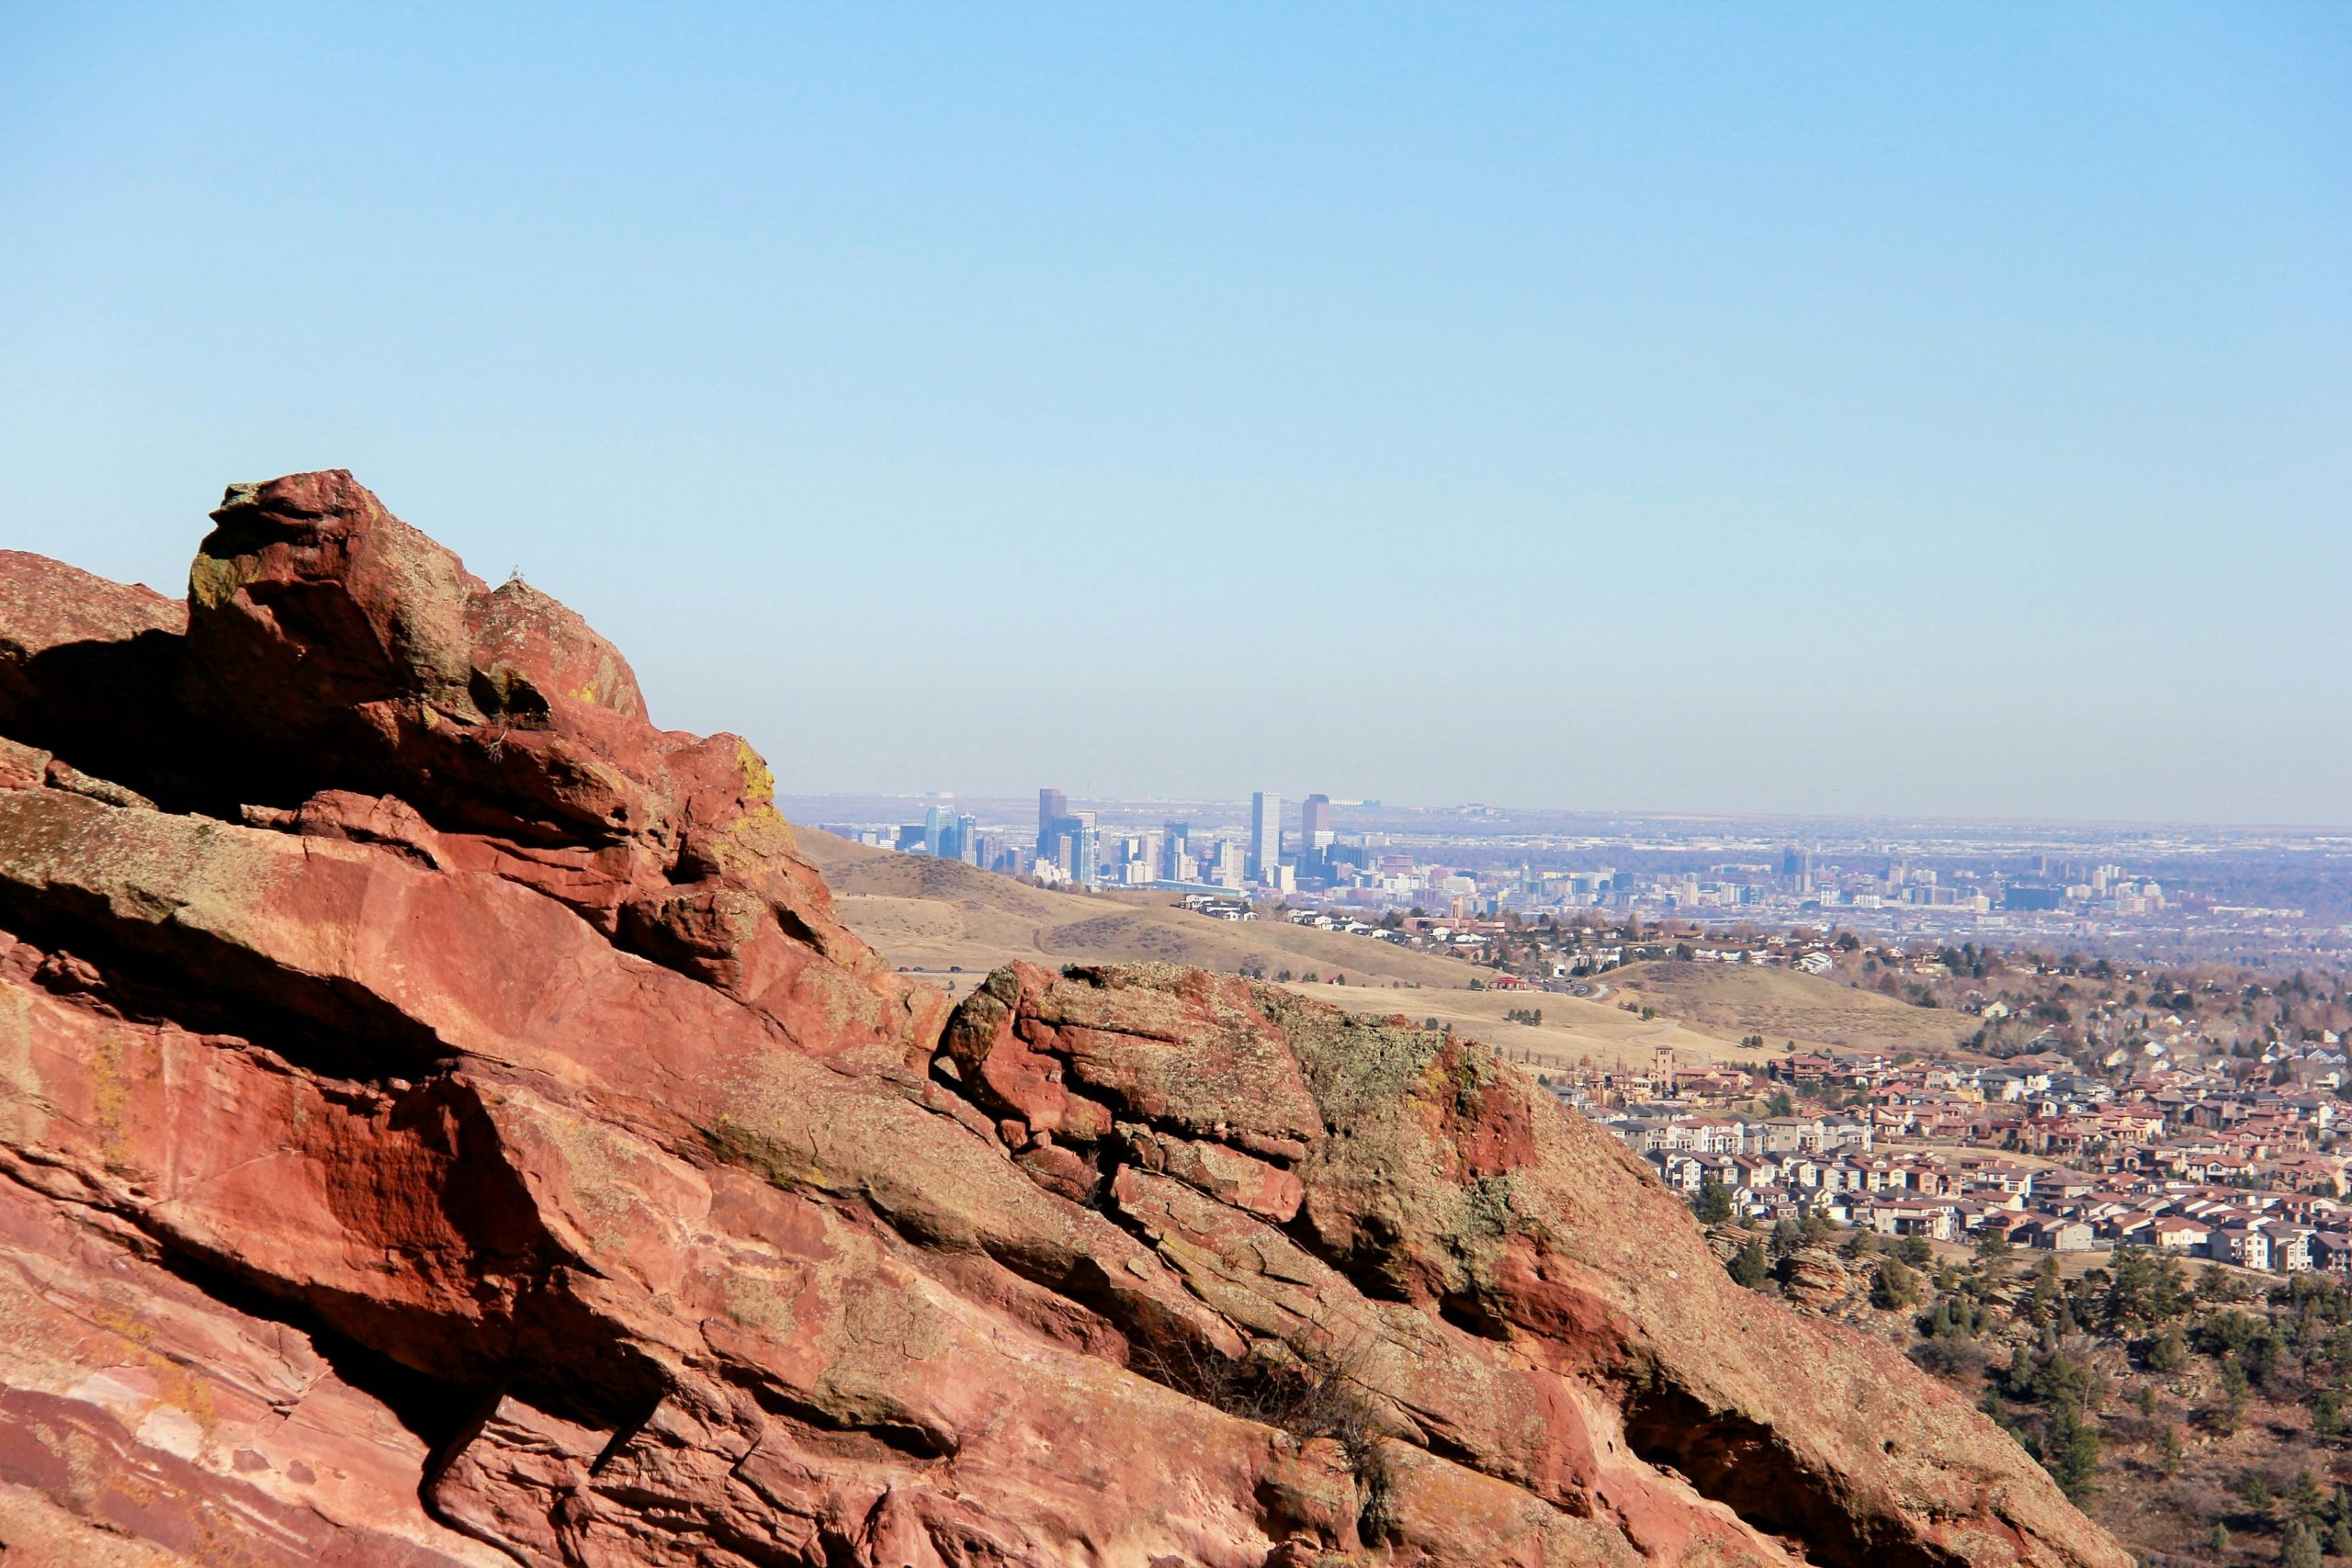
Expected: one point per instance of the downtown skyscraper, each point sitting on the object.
(1265, 835)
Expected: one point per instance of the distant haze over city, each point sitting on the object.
(2169, 891)
(2027, 827)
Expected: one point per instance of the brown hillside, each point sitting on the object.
(932, 915)
(1732, 999)
(1572, 1030)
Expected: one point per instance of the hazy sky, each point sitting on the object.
(1868, 408)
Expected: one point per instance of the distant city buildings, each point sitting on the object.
(1956, 882)
(1316, 837)
(1322, 867)
(1072, 847)
(1068, 847)
(1265, 835)
(1053, 806)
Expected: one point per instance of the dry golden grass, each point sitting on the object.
(1786, 1004)
(1572, 1030)
(933, 916)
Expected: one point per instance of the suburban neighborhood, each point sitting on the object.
(2237, 1162)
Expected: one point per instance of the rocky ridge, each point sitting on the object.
(443, 1122)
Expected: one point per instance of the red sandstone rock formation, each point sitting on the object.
(443, 1122)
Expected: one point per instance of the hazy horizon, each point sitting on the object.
(1813, 411)
(1020, 808)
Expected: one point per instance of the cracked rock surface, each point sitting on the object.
(443, 1121)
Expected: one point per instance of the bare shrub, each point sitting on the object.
(1323, 1390)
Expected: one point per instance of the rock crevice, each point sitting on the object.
(445, 1123)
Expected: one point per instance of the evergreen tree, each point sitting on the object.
(1749, 1266)
(2061, 1380)
(2305, 1501)
(2071, 1453)
(1954, 1318)
(1991, 1404)
(2042, 1303)
(2019, 1379)
(2271, 1357)
(2232, 1395)
(1895, 1286)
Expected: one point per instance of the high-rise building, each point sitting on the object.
(1065, 837)
(1072, 845)
(967, 838)
(1265, 833)
(1177, 850)
(1314, 836)
(1141, 860)
(934, 821)
(1051, 804)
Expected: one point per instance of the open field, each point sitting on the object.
(933, 916)
(1782, 1005)
(1572, 1029)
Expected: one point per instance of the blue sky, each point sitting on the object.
(1869, 409)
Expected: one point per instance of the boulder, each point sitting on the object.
(443, 1122)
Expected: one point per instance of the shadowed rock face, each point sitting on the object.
(443, 1122)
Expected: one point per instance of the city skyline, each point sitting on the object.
(2188, 890)
(1240, 802)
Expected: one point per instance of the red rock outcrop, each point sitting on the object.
(442, 1121)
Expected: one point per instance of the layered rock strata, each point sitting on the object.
(443, 1121)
